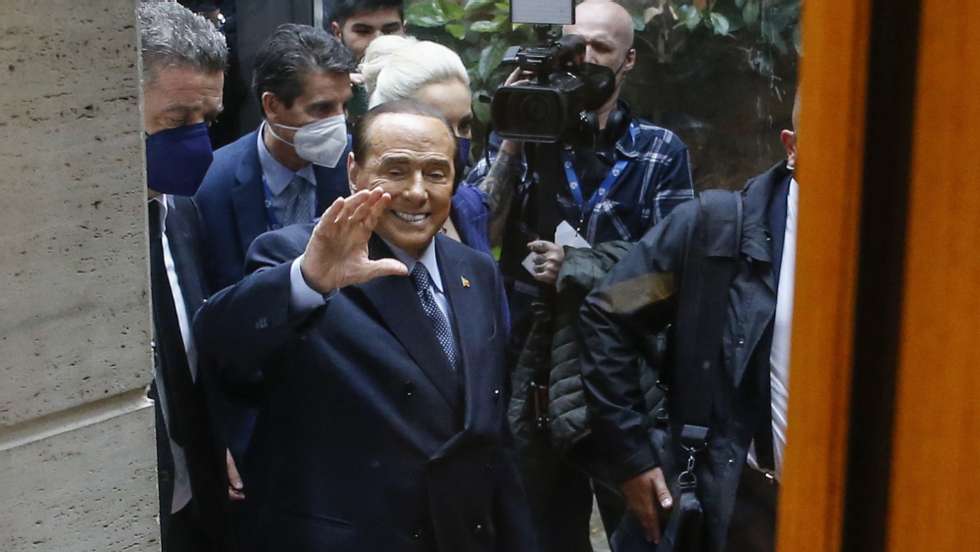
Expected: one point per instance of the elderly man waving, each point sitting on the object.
(378, 346)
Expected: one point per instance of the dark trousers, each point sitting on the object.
(180, 531)
(753, 525)
(560, 495)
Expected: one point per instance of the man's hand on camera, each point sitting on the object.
(547, 260)
(517, 76)
(645, 494)
(337, 253)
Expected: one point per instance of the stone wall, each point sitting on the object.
(76, 433)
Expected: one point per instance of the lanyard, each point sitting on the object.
(607, 183)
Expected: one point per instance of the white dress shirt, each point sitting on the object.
(779, 354)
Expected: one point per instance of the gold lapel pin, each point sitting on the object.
(466, 283)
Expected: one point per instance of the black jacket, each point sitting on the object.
(551, 351)
(639, 298)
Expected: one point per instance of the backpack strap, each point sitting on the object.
(709, 268)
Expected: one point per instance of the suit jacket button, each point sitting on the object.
(496, 394)
(416, 534)
(409, 389)
(478, 528)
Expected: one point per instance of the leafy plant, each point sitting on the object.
(479, 31)
(716, 71)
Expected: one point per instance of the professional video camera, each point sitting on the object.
(559, 102)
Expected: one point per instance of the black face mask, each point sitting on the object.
(600, 84)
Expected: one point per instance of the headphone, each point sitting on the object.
(616, 125)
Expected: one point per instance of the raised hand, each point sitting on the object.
(337, 253)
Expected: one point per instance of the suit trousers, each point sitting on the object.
(560, 493)
(179, 531)
(753, 526)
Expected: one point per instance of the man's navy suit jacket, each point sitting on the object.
(189, 424)
(366, 439)
(231, 201)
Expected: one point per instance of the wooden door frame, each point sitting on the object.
(858, 75)
(833, 80)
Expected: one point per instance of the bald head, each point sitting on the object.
(608, 32)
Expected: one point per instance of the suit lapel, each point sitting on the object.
(248, 199)
(183, 236)
(395, 299)
(464, 300)
(330, 184)
(757, 246)
(759, 238)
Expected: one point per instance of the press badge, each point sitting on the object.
(528, 263)
(565, 235)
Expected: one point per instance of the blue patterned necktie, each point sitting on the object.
(440, 323)
(298, 208)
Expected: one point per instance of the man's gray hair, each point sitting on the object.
(173, 36)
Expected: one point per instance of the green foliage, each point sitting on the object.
(480, 31)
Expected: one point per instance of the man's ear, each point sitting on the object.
(630, 60)
(335, 28)
(788, 138)
(270, 105)
(352, 170)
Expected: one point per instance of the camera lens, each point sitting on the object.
(529, 113)
(535, 109)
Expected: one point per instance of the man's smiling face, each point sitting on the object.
(411, 158)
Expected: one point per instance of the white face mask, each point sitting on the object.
(321, 142)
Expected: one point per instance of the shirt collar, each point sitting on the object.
(276, 175)
(428, 260)
(164, 201)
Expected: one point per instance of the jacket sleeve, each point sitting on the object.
(636, 299)
(242, 326)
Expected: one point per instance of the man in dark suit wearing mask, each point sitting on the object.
(289, 169)
(184, 59)
(378, 344)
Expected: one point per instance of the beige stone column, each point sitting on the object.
(77, 451)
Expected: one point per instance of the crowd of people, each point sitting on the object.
(342, 364)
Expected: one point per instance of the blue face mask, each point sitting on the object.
(177, 159)
(462, 161)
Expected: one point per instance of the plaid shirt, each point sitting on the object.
(656, 179)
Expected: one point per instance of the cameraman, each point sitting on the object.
(633, 178)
